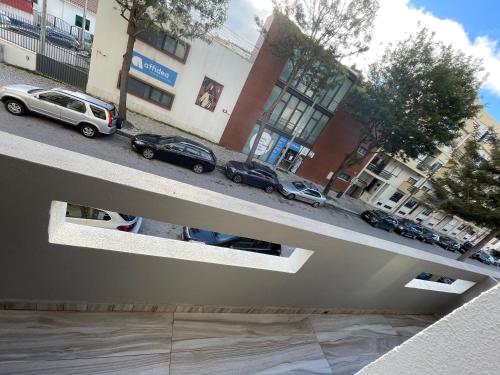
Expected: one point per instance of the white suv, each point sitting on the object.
(102, 219)
(92, 116)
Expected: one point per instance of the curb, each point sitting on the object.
(329, 204)
(124, 134)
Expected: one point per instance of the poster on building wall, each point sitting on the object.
(209, 94)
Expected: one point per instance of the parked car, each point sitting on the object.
(428, 236)
(466, 246)
(253, 173)
(380, 219)
(407, 228)
(448, 244)
(176, 150)
(230, 241)
(484, 258)
(302, 191)
(62, 38)
(92, 116)
(102, 219)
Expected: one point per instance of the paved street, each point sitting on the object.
(117, 149)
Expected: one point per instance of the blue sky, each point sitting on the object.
(470, 25)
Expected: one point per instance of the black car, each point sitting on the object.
(230, 241)
(428, 236)
(448, 244)
(253, 173)
(380, 219)
(466, 246)
(176, 150)
(407, 228)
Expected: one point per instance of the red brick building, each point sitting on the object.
(324, 134)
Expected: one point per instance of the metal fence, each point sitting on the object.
(56, 61)
(61, 71)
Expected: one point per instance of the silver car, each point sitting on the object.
(303, 191)
(92, 116)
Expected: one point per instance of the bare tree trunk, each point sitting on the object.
(493, 233)
(127, 60)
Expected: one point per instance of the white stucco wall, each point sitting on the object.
(211, 60)
(463, 342)
(67, 11)
(16, 55)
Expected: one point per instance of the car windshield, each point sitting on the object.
(165, 140)
(299, 185)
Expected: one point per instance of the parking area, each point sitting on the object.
(117, 149)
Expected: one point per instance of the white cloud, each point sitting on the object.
(396, 20)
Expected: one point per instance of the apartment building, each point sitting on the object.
(399, 187)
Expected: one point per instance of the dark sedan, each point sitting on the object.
(466, 246)
(449, 244)
(428, 236)
(380, 219)
(176, 150)
(230, 241)
(254, 174)
(407, 228)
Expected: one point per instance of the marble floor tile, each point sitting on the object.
(409, 325)
(36, 335)
(155, 364)
(245, 344)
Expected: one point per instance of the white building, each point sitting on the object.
(168, 77)
(399, 187)
(71, 11)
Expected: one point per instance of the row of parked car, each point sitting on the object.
(410, 229)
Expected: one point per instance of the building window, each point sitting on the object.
(79, 22)
(412, 180)
(166, 43)
(425, 189)
(427, 212)
(396, 197)
(148, 92)
(344, 177)
(436, 166)
(291, 116)
(411, 203)
(362, 151)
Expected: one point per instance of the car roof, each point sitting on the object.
(87, 98)
(193, 143)
(257, 165)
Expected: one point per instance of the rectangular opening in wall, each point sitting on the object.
(77, 225)
(437, 283)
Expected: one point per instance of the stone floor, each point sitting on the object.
(197, 343)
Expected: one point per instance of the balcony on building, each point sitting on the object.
(79, 299)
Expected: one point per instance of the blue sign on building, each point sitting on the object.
(280, 145)
(153, 69)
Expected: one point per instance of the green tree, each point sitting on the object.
(470, 189)
(313, 36)
(186, 19)
(416, 97)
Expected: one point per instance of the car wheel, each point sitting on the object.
(198, 168)
(290, 196)
(148, 153)
(269, 189)
(15, 107)
(315, 204)
(88, 131)
(237, 178)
